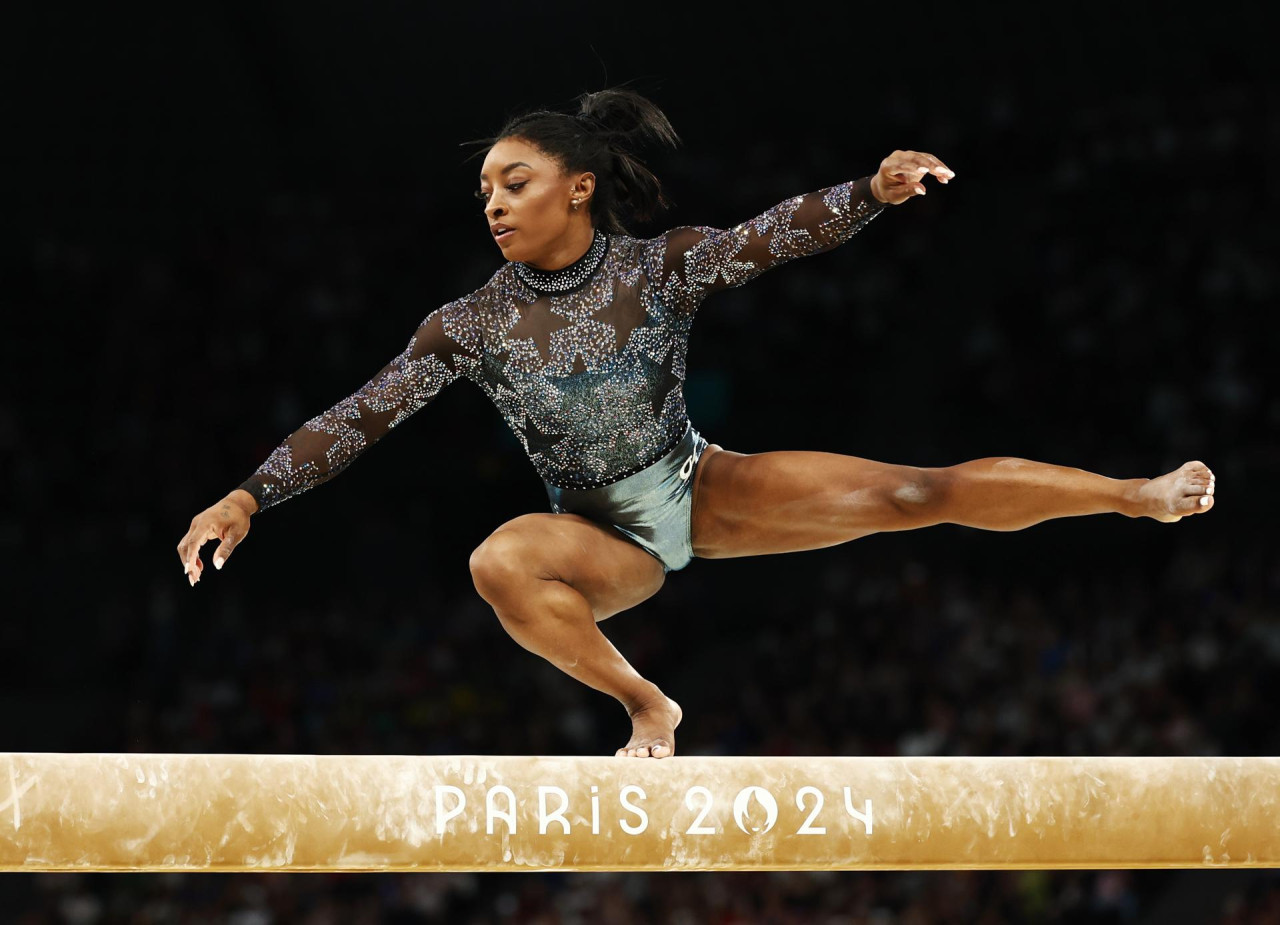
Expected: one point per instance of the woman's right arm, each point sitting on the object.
(329, 442)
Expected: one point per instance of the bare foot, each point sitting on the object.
(653, 730)
(1186, 490)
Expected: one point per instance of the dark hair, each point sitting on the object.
(602, 137)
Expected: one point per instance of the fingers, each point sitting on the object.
(909, 168)
(222, 522)
(192, 564)
(189, 549)
(189, 553)
(938, 169)
(230, 540)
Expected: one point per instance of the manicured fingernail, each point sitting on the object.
(1204, 502)
(217, 563)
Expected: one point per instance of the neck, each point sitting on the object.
(567, 249)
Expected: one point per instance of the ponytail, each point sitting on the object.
(602, 137)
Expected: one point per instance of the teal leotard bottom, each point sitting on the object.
(652, 508)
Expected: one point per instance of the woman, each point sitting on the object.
(579, 339)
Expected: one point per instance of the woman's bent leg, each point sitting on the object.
(785, 501)
(550, 578)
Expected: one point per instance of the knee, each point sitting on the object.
(916, 492)
(499, 564)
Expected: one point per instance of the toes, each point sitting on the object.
(1188, 504)
(655, 749)
(1193, 504)
(1196, 471)
(660, 750)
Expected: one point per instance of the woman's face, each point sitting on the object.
(528, 197)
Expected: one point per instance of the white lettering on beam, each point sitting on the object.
(373, 812)
(443, 815)
(491, 812)
(544, 819)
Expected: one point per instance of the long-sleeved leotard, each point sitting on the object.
(590, 379)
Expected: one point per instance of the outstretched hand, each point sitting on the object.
(902, 174)
(228, 521)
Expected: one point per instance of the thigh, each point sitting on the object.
(609, 570)
(760, 503)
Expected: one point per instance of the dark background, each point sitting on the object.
(221, 219)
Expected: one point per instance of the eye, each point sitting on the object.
(481, 195)
(516, 186)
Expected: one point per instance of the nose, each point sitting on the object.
(495, 208)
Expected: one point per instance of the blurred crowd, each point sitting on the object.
(1118, 334)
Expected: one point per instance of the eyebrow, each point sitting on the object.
(510, 167)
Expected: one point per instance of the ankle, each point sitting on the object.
(1132, 503)
(645, 698)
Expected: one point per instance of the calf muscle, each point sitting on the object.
(550, 578)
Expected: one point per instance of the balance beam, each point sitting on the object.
(486, 813)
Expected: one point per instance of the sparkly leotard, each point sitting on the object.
(586, 363)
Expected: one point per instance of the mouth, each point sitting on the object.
(502, 233)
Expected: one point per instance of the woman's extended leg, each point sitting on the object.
(746, 505)
(550, 578)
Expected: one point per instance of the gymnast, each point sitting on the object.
(579, 339)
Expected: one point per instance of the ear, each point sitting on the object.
(584, 186)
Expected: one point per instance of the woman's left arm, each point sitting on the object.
(700, 260)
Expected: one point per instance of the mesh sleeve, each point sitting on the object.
(329, 442)
(700, 260)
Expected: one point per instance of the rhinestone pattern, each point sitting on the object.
(567, 278)
(585, 364)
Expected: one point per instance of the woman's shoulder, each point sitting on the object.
(490, 309)
(469, 318)
(682, 236)
(503, 277)
(493, 293)
(659, 250)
